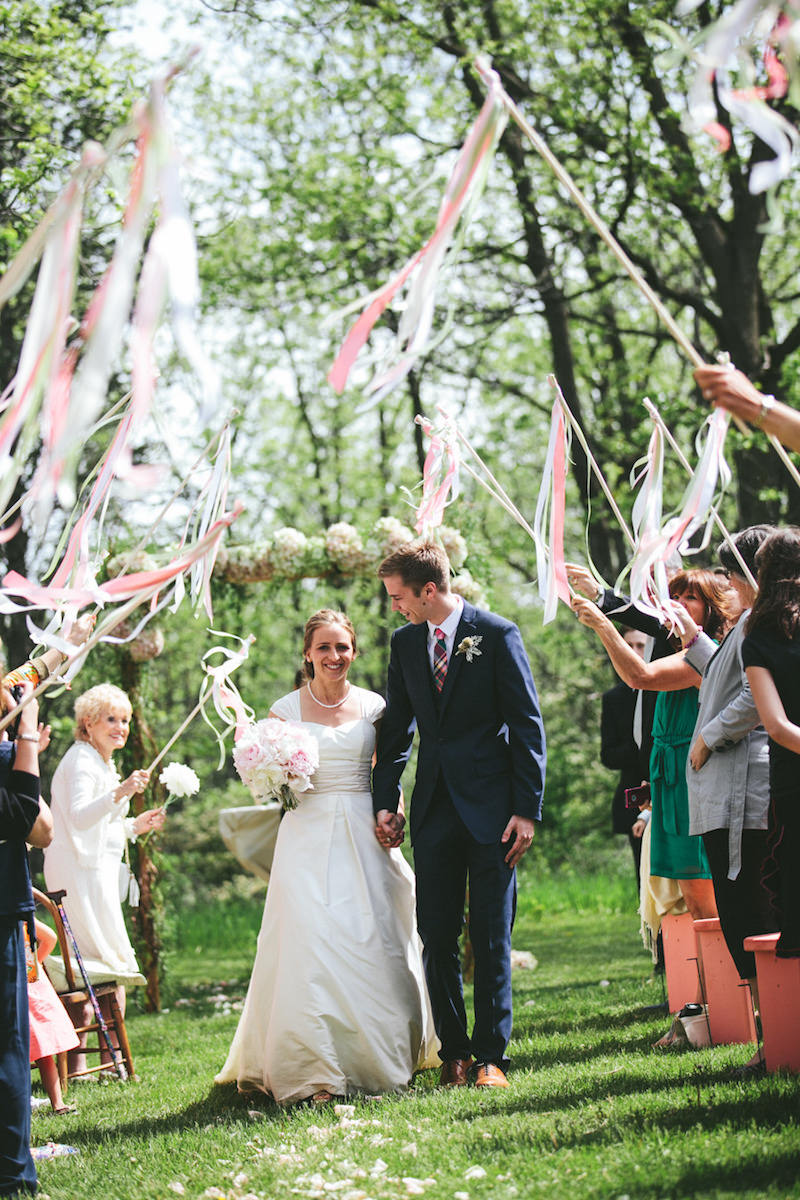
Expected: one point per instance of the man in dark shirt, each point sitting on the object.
(619, 751)
(23, 818)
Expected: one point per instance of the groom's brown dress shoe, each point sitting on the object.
(488, 1075)
(454, 1072)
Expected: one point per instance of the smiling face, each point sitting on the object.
(330, 653)
(415, 608)
(109, 731)
(694, 604)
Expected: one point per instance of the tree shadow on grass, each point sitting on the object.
(713, 1179)
(596, 1021)
(566, 1052)
(766, 1108)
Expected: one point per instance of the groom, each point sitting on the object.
(461, 676)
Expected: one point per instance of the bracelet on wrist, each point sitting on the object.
(27, 737)
(688, 645)
(767, 404)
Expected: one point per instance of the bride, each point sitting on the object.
(337, 1001)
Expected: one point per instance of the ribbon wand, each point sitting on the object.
(656, 416)
(184, 725)
(188, 782)
(593, 217)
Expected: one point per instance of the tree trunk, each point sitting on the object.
(143, 750)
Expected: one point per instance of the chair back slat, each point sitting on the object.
(63, 944)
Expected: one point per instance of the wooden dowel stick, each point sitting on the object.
(200, 704)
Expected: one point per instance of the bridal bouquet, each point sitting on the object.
(276, 759)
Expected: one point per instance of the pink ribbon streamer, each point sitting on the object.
(648, 583)
(39, 368)
(657, 544)
(124, 587)
(415, 324)
(746, 27)
(227, 700)
(550, 508)
(439, 479)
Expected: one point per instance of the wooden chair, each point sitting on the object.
(779, 1000)
(75, 996)
(730, 1008)
(680, 959)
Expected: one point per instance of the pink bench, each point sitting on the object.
(779, 1000)
(730, 1009)
(680, 960)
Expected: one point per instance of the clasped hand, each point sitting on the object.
(389, 828)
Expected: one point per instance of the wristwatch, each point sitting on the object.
(27, 737)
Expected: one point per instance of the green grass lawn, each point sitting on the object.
(592, 1110)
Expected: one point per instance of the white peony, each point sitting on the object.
(287, 551)
(345, 548)
(179, 780)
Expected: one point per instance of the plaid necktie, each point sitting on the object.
(439, 659)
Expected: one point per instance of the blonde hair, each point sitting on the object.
(325, 616)
(92, 704)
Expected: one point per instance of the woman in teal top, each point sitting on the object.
(674, 854)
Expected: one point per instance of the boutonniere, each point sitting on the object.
(468, 646)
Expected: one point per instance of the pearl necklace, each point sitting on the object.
(321, 704)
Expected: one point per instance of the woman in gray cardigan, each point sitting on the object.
(728, 768)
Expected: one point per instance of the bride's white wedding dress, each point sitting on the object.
(337, 999)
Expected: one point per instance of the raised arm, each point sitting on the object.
(670, 674)
(732, 390)
(614, 603)
(22, 813)
(85, 805)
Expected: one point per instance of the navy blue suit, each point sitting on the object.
(481, 760)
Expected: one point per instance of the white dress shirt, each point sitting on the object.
(448, 628)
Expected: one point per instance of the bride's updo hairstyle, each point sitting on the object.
(777, 606)
(325, 616)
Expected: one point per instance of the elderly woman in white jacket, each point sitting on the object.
(90, 806)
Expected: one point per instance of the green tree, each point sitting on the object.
(59, 86)
(362, 100)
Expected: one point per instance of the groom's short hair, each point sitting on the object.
(417, 564)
